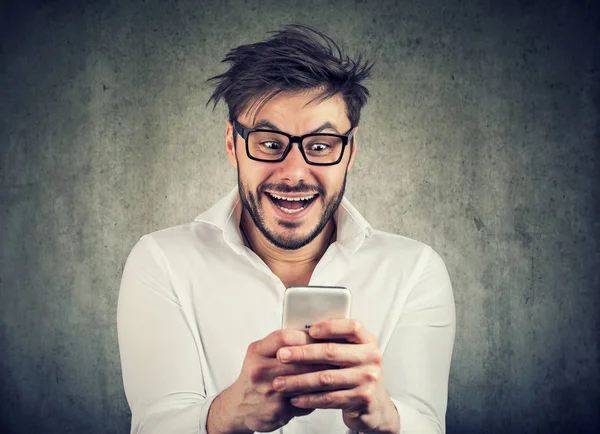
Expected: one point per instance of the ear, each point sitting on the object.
(353, 154)
(230, 144)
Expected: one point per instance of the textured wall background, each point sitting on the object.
(480, 139)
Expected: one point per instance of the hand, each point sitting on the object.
(356, 387)
(251, 403)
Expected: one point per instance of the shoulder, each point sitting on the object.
(398, 243)
(425, 270)
(386, 243)
(179, 241)
(402, 253)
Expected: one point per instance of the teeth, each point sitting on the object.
(290, 211)
(292, 199)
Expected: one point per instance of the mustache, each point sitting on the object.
(286, 188)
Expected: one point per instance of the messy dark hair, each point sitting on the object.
(296, 58)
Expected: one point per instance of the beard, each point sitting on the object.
(253, 204)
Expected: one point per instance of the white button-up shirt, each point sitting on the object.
(193, 297)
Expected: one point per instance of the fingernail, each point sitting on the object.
(284, 354)
(295, 400)
(315, 330)
(279, 383)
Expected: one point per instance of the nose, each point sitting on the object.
(293, 168)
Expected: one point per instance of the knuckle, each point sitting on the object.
(288, 338)
(331, 350)
(326, 399)
(325, 379)
(269, 418)
(265, 389)
(303, 353)
(376, 357)
(356, 327)
(283, 337)
(255, 373)
(372, 375)
(273, 415)
(278, 409)
(367, 419)
(365, 397)
(254, 348)
(274, 336)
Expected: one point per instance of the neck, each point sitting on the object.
(274, 256)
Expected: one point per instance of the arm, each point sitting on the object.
(161, 368)
(417, 358)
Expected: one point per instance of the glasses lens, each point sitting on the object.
(322, 148)
(270, 146)
(267, 145)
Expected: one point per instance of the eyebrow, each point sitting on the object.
(268, 125)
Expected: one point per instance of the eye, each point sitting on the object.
(271, 144)
(318, 147)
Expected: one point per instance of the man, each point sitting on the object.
(200, 304)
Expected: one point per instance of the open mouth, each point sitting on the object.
(292, 205)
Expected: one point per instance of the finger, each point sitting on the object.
(350, 329)
(287, 369)
(341, 399)
(331, 353)
(336, 379)
(268, 346)
(269, 368)
(293, 411)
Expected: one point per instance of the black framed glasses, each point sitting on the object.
(271, 146)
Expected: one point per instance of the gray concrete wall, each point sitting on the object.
(481, 139)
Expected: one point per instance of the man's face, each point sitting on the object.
(289, 228)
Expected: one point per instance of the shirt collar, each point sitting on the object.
(352, 228)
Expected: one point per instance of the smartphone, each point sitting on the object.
(304, 306)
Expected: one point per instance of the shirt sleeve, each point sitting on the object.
(417, 358)
(162, 374)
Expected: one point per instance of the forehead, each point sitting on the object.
(298, 108)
